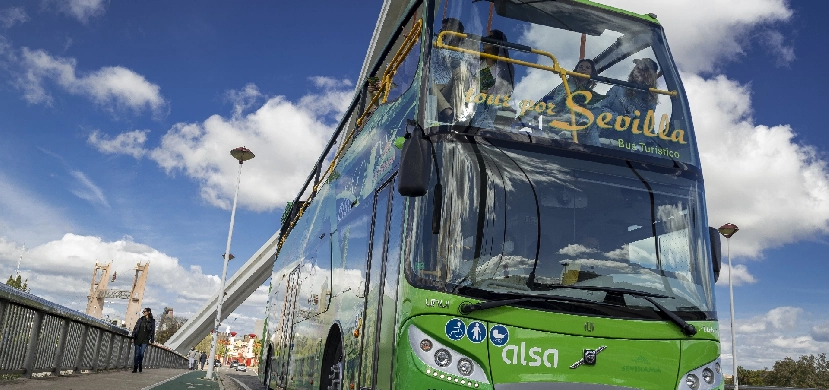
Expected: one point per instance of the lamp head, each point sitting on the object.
(242, 154)
(728, 230)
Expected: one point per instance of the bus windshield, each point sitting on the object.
(556, 71)
(520, 220)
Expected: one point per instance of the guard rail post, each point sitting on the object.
(76, 368)
(109, 351)
(97, 349)
(34, 337)
(3, 305)
(64, 333)
(119, 361)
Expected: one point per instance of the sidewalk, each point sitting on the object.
(156, 379)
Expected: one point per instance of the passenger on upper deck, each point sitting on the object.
(625, 101)
(495, 78)
(450, 71)
(558, 96)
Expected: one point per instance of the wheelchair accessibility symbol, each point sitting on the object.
(476, 332)
(455, 329)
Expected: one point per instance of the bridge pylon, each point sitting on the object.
(98, 292)
(95, 300)
(136, 294)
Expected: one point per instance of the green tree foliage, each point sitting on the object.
(18, 283)
(168, 327)
(805, 372)
(221, 351)
(204, 344)
(257, 347)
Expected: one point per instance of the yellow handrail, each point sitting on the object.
(408, 43)
(391, 69)
(555, 68)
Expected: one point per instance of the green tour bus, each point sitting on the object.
(513, 200)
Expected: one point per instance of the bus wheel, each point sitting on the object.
(331, 372)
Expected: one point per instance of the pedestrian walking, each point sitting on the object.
(142, 334)
(202, 359)
(192, 356)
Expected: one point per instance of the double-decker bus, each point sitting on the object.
(513, 200)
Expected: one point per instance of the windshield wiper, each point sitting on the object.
(686, 328)
(467, 308)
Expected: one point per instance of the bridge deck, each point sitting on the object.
(157, 379)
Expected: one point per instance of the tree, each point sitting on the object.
(168, 327)
(221, 350)
(204, 344)
(807, 371)
(751, 377)
(18, 283)
(257, 347)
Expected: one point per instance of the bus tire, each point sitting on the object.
(331, 371)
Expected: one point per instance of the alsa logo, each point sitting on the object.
(511, 355)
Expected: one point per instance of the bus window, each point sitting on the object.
(587, 77)
(397, 72)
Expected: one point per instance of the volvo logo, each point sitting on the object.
(589, 357)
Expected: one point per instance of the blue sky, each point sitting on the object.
(116, 119)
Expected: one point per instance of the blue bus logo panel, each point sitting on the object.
(499, 335)
(455, 329)
(476, 332)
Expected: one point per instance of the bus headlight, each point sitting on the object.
(708, 375)
(439, 359)
(426, 345)
(705, 377)
(465, 366)
(443, 358)
(692, 381)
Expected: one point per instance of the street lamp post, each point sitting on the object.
(727, 231)
(242, 154)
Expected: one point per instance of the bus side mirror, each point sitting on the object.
(716, 251)
(415, 162)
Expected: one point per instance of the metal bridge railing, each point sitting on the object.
(38, 336)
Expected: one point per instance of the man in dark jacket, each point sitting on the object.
(142, 334)
(203, 359)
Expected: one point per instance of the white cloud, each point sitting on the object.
(60, 271)
(775, 42)
(88, 190)
(11, 16)
(740, 277)
(330, 82)
(764, 339)
(130, 143)
(799, 343)
(111, 87)
(82, 10)
(780, 318)
(243, 99)
(741, 161)
(703, 40)
(287, 138)
(26, 217)
(820, 332)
